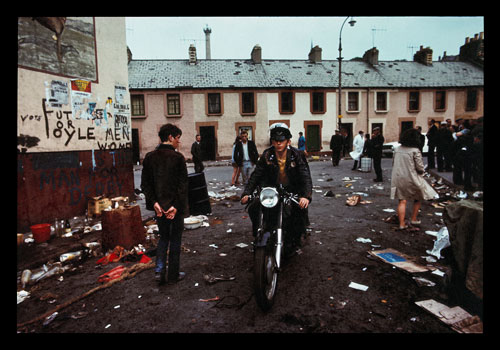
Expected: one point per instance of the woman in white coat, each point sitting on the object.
(407, 181)
(357, 151)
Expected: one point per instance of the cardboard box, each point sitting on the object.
(97, 204)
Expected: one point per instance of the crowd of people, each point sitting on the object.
(459, 149)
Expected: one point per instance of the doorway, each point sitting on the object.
(346, 132)
(208, 142)
(313, 138)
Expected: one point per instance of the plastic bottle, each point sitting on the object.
(70, 256)
(67, 227)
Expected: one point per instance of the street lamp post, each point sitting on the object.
(351, 22)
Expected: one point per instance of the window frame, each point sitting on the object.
(358, 104)
(242, 104)
(281, 100)
(323, 102)
(468, 104)
(207, 104)
(443, 106)
(386, 102)
(139, 115)
(410, 110)
(179, 114)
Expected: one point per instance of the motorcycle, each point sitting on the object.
(270, 241)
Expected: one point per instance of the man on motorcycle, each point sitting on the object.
(282, 164)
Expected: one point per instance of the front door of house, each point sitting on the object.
(208, 142)
(313, 141)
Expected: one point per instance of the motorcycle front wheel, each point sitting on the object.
(265, 277)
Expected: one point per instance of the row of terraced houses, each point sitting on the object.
(217, 98)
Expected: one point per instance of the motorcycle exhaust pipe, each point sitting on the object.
(279, 243)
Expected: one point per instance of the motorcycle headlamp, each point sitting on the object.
(269, 197)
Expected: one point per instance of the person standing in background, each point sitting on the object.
(246, 156)
(377, 144)
(196, 153)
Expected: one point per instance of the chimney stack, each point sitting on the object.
(315, 54)
(192, 54)
(207, 31)
(371, 56)
(423, 56)
(256, 54)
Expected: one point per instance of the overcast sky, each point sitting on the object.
(291, 37)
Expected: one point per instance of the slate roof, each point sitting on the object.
(234, 73)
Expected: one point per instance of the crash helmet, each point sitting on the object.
(280, 132)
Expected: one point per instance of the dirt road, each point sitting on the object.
(313, 289)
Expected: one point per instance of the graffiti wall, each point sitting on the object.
(71, 117)
(74, 138)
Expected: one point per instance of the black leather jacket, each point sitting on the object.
(267, 170)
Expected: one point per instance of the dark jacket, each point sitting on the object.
(377, 143)
(196, 152)
(336, 141)
(164, 179)
(296, 168)
(252, 153)
(432, 135)
(444, 139)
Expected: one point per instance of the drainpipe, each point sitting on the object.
(368, 110)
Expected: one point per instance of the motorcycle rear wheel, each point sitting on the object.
(265, 277)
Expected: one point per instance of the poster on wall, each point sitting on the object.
(56, 93)
(58, 45)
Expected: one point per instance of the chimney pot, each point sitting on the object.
(371, 56)
(192, 54)
(256, 54)
(315, 54)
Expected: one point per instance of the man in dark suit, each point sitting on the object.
(377, 142)
(196, 153)
(164, 182)
(336, 143)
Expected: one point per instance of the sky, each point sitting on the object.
(396, 38)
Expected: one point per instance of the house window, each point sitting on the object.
(137, 102)
(173, 104)
(353, 101)
(440, 102)
(381, 102)
(247, 103)
(414, 101)
(214, 103)
(286, 102)
(471, 104)
(318, 102)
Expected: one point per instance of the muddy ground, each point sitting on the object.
(313, 289)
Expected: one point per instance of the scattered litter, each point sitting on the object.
(22, 295)
(50, 318)
(211, 299)
(429, 259)
(329, 194)
(230, 230)
(442, 241)
(213, 246)
(438, 272)
(363, 240)
(399, 260)
(353, 201)
(432, 233)
(388, 210)
(422, 282)
(457, 318)
(462, 195)
(117, 306)
(212, 279)
(222, 254)
(242, 245)
(107, 326)
(438, 214)
(358, 286)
